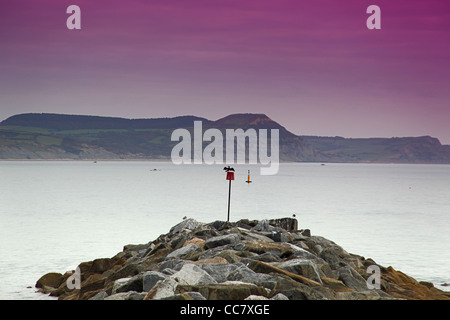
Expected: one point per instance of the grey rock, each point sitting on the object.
(219, 241)
(363, 295)
(267, 257)
(131, 295)
(245, 274)
(219, 271)
(99, 296)
(150, 278)
(214, 252)
(279, 236)
(191, 274)
(230, 255)
(250, 235)
(174, 264)
(186, 296)
(119, 283)
(288, 224)
(169, 272)
(305, 232)
(128, 284)
(279, 296)
(294, 290)
(318, 248)
(323, 242)
(263, 225)
(163, 289)
(325, 270)
(179, 253)
(229, 290)
(189, 224)
(196, 295)
(334, 256)
(300, 252)
(352, 278)
(255, 297)
(218, 224)
(304, 267)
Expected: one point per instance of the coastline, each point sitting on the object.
(169, 160)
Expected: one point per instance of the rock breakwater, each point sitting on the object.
(243, 260)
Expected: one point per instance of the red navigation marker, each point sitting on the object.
(230, 177)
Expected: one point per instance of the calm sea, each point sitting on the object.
(56, 214)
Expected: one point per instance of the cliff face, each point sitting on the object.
(56, 136)
(244, 260)
(52, 136)
(397, 150)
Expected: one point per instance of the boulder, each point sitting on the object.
(267, 257)
(185, 296)
(129, 284)
(93, 283)
(245, 274)
(52, 280)
(101, 265)
(305, 232)
(131, 295)
(99, 296)
(280, 236)
(262, 267)
(288, 224)
(218, 224)
(333, 255)
(192, 274)
(150, 278)
(260, 247)
(362, 295)
(301, 253)
(219, 271)
(219, 241)
(352, 279)
(295, 290)
(197, 241)
(153, 249)
(127, 270)
(173, 264)
(183, 251)
(301, 267)
(189, 224)
(255, 297)
(229, 290)
(279, 296)
(263, 225)
(162, 289)
(210, 260)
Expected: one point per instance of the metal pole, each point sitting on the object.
(229, 196)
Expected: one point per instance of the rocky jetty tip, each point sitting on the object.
(243, 260)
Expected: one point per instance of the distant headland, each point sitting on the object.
(45, 136)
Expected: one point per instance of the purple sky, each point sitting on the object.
(311, 65)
